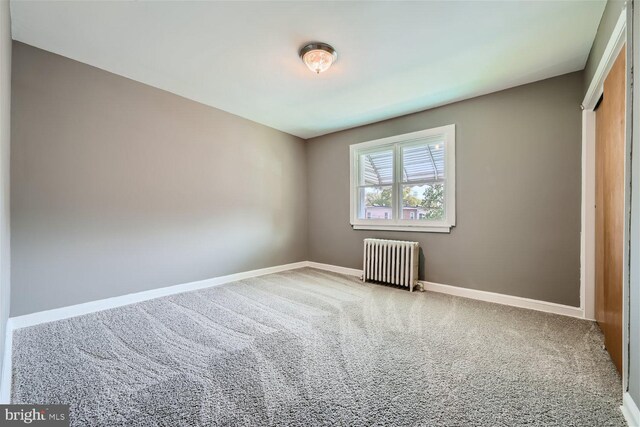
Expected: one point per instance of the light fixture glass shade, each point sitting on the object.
(318, 56)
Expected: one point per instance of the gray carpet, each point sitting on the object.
(308, 347)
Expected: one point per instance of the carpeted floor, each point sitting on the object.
(308, 347)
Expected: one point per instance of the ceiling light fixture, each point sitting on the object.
(318, 56)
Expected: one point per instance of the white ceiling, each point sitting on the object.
(394, 57)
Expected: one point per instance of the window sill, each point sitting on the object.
(414, 228)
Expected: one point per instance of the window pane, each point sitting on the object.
(375, 203)
(423, 202)
(376, 168)
(423, 162)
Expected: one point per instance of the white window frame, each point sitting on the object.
(448, 134)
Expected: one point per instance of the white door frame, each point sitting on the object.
(587, 235)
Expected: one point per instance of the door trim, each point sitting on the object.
(587, 231)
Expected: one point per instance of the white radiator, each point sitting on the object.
(391, 261)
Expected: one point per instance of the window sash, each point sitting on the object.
(361, 168)
(438, 139)
(361, 207)
(398, 181)
(444, 135)
(420, 183)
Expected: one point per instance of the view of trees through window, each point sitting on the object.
(424, 201)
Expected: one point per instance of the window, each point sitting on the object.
(405, 182)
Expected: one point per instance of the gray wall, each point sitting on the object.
(608, 21)
(118, 187)
(5, 134)
(518, 193)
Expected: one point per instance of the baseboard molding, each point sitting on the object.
(119, 301)
(335, 268)
(630, 411)
(547, 307)
(33, 319)
(5, 376)
(531, 304)
(37, 318)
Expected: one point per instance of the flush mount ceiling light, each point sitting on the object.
(318, 56)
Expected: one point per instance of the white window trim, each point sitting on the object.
(399, 224)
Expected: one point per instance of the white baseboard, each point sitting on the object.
(531, 304)
(630, 411)
(109, 303)
(335, 268)
(119, 301)
(5, 375)
(547, 307)
(105, 304)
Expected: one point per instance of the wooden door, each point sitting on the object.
(610, 159)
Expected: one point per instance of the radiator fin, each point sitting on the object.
(391, 261)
